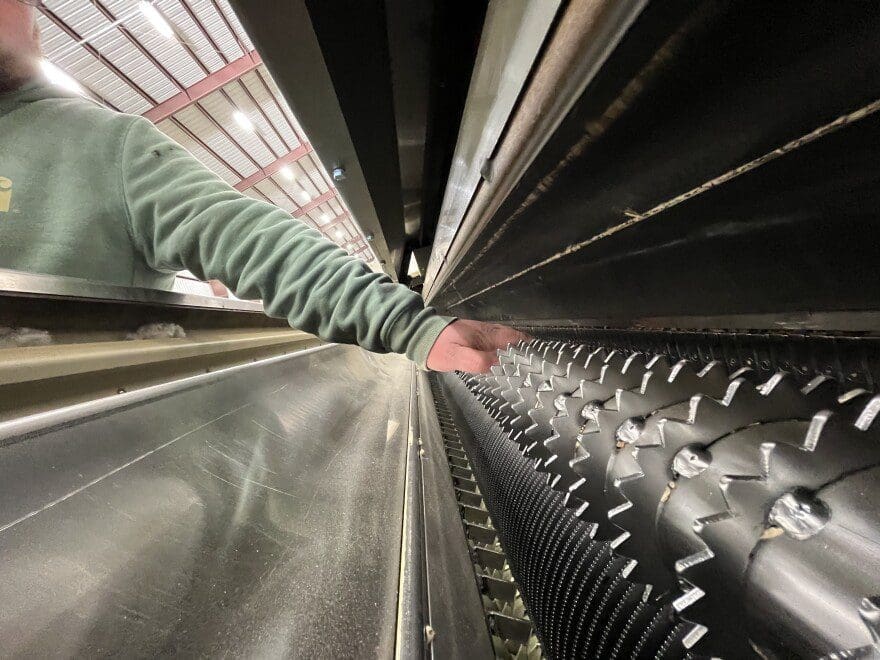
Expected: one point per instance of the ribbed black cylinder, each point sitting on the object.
(575, 588)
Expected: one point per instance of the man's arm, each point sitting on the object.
(181, 216)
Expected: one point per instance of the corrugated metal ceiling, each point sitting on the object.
(120, 58)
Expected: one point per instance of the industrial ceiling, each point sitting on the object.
(190, 67)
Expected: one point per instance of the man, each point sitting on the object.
(99, 195)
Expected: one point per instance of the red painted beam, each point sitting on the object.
(335, 221)
(333, 237)
(355, 240)
(315, 203)
(232, 71)
(363, 250)
(273, 167)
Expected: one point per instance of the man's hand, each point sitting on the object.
(471, 346)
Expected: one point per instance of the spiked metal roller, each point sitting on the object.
(653, 509)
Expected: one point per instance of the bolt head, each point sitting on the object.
(691, 461)
(800, 514)
(630, 430)
(591, 410)
(339, 174)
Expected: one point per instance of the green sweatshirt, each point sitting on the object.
(90, 193)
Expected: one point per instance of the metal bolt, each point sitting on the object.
(691, 461)
(591, 410)
(799, 514)
(559, 403)
(630, 430)
(338, 174)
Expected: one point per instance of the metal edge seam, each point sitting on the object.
(24, 427)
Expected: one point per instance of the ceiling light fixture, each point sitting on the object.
(57, 77)
(242, 120)
(325, 217)
(286, 172)
(156, 19)
(305, 196)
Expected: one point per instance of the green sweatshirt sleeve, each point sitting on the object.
(182, 216)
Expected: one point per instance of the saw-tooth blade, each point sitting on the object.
(474, 514)
(508, 627)
(468, 497)
(551, 368)
(624, 374)
(711, 482)
(490, 559)
(497, 589)
(820, 569)
(562, 447)
(480, 533)
(465, 484)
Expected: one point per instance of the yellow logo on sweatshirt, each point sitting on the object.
(5, 194)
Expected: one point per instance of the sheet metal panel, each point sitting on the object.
(257, 516)
(209, 15)
(64, 52)
(715, 165)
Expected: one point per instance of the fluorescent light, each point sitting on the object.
(338, 234)
(325, 217)
(305, 196)
(286, 172)
(156, 19)
(242, 120)
(57, 77)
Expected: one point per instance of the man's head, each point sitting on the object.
(19, 42)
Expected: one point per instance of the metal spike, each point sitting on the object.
(869, 414)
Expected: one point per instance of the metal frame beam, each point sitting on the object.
(214, 81)
(339, 219)
(315, 203)
(274, 167)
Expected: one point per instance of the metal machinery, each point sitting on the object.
(677, 199)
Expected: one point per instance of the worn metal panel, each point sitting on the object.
(512, 36)
(309, 87)
(584, 35)
(256, 516)
(455, 605)
(716, 165)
